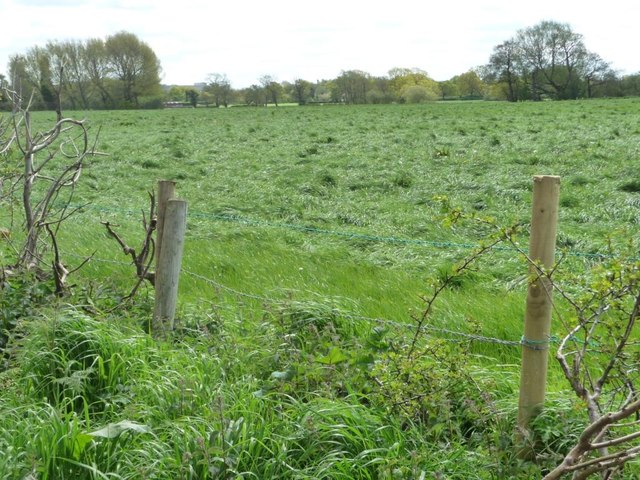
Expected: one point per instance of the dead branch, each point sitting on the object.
(60, 272)
(575, 460)
(66, 140)
(143, 260)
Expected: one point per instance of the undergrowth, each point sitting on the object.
(299, 392)
(290, 360)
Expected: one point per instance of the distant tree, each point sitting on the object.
(503, 68)
(134, 65)
(323, 90)
(219, 86)
(630, 85)
(448, 89)
(21, 76)
(96, 64)
(381, 91)
(547, 60)
(418, 94)
(4, 100)
(89, 74)
(552, 54)
(352, 86)
(301, 90)
(192, 97)
(469, 84)
(48, 92)
(271, 89)
(402, 79)
(177, 94)
(254, 95)
(596, 72)
(68, 56)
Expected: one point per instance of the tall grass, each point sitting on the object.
(312, 237)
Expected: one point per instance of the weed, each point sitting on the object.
(76, 361)
(403, 180)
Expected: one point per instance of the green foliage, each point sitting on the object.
(435, 387)
(79, 362)
(557, 429)
(21, 298)
(119, 71)
(418, 94)
(333, 223)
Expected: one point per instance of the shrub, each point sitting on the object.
(434, 388)
(418, 94)
(20, 298)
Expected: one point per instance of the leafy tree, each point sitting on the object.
(630, 85)
(448, 88)
(418, 94)
(552, 54)
(22, 78)
(547, 59)
(503, 68)
(134, 65)
(323, 90)
(98, 70)
(68, 57)
(301, 90)
(253, 95)
(596, 72)
(177, 93)
(3, 96)
(192, 97)
(469, 84)
(402, 79)
(46, 83)
(219, 86)
(352, 86)
(272, 90)
(381, 91)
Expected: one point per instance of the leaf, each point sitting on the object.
(114, 430)
(80, 443)
(334, 357)
(285, 376)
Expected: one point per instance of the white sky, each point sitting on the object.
(291, 39)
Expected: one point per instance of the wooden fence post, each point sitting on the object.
(166, 191)
(169, 264)
(537, 327)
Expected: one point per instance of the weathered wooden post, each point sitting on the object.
(166, 191)
(169, 264)
(537, 326)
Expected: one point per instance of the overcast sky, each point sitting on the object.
(291, 39)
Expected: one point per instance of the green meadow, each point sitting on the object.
(314, 236)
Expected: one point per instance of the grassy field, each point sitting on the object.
(312, 235)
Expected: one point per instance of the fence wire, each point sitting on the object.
(246, 221)
(372, 320)
(252, 222)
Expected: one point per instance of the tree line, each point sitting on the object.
(546, 61)
(120, 71)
